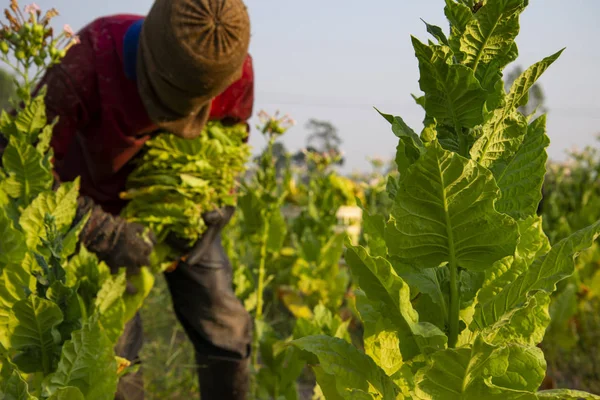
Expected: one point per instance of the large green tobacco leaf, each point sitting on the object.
(15, 281)
(381, 339)
(61, 204)
(32, 119)
(491, 33)
(12, 245)
(88, 363)
(468, 374)
(33, 333)
(566, 394)
(386, 290)
(504, 132)
(28, 174)
(85, 271)
(67, 393)
(111, 307)
(351, 369)
(519, 91)
(410, 147)
(543, 275)
(444, 212)
(532, 243)
(374, 232)
(15, 388)
(459, 16)
(502, 137)
(452, 93)
(520, 179)
(143, 283)
(68, 301)
(526, 325)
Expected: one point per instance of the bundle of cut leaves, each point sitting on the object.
(177, 180)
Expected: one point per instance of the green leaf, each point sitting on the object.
(444, 212)
(33, 333)
(452, 93)
(88, 363)
(437, 33)
(15, 283)
(381, 340)
(566, 394)
(15, 388)
(71, 238)
(410, 147)
(491, 34)
(532, 243)
(66, 298)
(28, 176)
(277, 231)
(61, 204)
(543, 275)
(326, 384)
(374, 231)
(44, 139)
(521, 86)
(429, 281)
(526, 369)
(67, 393)
(526, 325)
(502, 137)
(350, 368)
(520, 178)
(85, 271)
(12, 245)
(382, 285)
(143, 283)
(459, 16)
(467, 374)
(111, 307)
(33, 118)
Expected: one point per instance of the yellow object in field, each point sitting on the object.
(349, 221)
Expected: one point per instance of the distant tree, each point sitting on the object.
(324, 137)
(537, 98)
(7, 89)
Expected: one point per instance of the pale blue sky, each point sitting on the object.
(334, 60)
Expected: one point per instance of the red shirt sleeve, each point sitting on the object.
(236, 102)
(72, 94)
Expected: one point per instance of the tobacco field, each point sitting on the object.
(468, 267)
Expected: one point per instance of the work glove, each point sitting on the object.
(115, 241)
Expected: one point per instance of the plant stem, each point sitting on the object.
(259, 296)
(453, 313)
(261, 269)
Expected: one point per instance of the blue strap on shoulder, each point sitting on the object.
(130, 48)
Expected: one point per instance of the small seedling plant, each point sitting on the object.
(456, 280)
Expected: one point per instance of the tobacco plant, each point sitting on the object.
(61, 312)
(456, 280)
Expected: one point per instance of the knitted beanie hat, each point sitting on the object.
(190, 51)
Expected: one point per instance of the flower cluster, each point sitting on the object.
(27, 37)
(323, 160)
(274, 125)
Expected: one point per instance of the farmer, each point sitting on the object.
(185, 63)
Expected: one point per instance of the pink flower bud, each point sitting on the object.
(68, 30)
(32, 8)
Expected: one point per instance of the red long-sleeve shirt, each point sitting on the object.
(102, 121)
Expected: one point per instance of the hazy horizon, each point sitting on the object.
(334, 61)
